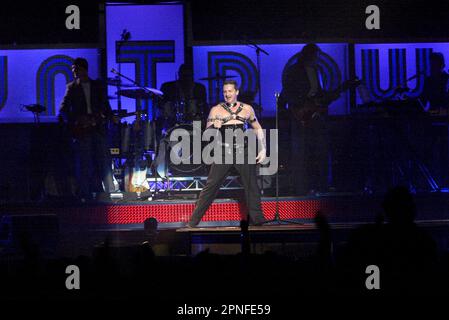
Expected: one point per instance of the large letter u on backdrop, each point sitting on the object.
(3, 81)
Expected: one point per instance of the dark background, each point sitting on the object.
(231, 20)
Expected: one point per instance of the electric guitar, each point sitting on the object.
(312, 107)
(136, 178)
(88, 123)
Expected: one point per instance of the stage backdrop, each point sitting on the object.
(240, 61)
(153, 52)
(37, 76)
(384, 67)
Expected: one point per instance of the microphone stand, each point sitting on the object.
(125, 36)
(277, 218)
(258, 51)
(259, 111)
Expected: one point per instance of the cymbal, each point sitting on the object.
(117, 82)
(217, 77)
(139, 93)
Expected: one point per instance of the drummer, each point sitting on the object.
(184, 100)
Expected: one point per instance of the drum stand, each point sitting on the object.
(152, 94)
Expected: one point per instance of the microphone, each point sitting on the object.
(37, 108)
(125, 36)
(253, 45)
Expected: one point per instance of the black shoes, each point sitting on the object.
(190, 225)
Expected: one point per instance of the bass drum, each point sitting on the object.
(182, 163)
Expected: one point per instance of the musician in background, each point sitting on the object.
(435, 94)
(86, 110)
(309, 138)
(434, 140)
(184, 96)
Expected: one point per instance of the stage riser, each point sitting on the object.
(338, 209)
(178, 212)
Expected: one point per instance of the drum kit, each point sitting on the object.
(141, 138)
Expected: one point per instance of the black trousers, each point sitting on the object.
(310, 155)
(217, 175)
(93, 164)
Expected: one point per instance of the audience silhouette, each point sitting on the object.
(405, 254)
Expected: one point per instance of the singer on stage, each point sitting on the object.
(232, 115)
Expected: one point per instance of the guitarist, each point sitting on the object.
(309, 137)
(86, 110)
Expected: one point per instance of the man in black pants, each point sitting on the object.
(86, 110)
(309, 130)
(225, 116)
(432, 138)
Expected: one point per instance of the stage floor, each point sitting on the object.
(296, 241)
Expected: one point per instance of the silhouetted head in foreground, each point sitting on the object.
(399, 206)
